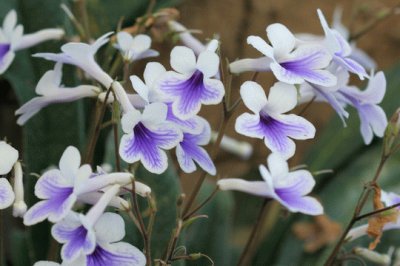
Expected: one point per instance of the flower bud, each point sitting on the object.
(391, 137)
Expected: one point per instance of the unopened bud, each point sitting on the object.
(240, 148)
(391, 138)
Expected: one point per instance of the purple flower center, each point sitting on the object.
(4, 49)
(103, 257)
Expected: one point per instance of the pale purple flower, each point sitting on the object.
(294, 62)
(59, 189)
(12, 39)
(7, 195)
(92, 237)
(288, 188)
(340, 49)
(189, 151)
(147, 136)
(134, 48)
(150, 93)
(82, 56)
(269, 121)
(191, 84)
(372, 117)
(51, 91)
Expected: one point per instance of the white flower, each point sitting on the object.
(134, 48)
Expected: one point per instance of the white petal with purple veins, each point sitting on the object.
(248, 125)
(130, 120)
(154, 113)
(6, 194)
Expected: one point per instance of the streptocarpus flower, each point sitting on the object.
(59, 189)
(269, 121)
(189, 151)
(89, 237)
(191, 84)
(372, 117)
(82, 56)
(7, 195)
(149, 92)
(292, 62)
(288, 188)
(12, 39)
(340, 49)
(146, 137)
(51, 91)
(134, 48)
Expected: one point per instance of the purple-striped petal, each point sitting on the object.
(192, 125)
(146, 144)
(351, 65)
(118, 254)
(188, 93)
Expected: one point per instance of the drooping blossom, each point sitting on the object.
(269, 121)
(134, 48)
(147, 136)
(373, 119)
(294, 62)
(82, 56)
(12, 39)
(191, 84)
(150, 93)
(389, 199)
(288, 188)
(59, 189)
(9, 157)
(340, 49)
(189, 151)
(51, 91)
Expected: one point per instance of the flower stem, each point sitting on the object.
(244, 257)
(360, 205)
(201, 205)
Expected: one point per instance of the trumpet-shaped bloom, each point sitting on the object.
(59, 189)
(288, 188)
(89, 237)
(82, 56)
(150, 93)
(146, 137)
(372, 117)
(191, 84)
(134, 48)
(12, 39)
(340, 49)
(269, 121)
(293, 63)
(189, 151)
(51, 91)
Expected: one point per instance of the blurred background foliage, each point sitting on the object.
(230, 215)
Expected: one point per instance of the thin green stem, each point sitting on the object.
(201, 205)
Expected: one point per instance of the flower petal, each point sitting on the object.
(110, 228)
(154, 113)
(248, 125)
(282, 40)
(129, 120)
(278, 167)
(258, 188)
(307, 205)
(152, 73)
(140, 87)
(6, 194)
(9, 157)
(183, 60)
(253, 96)
(208, 63)
(70, 162)
(282, 98)
(261, 46)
